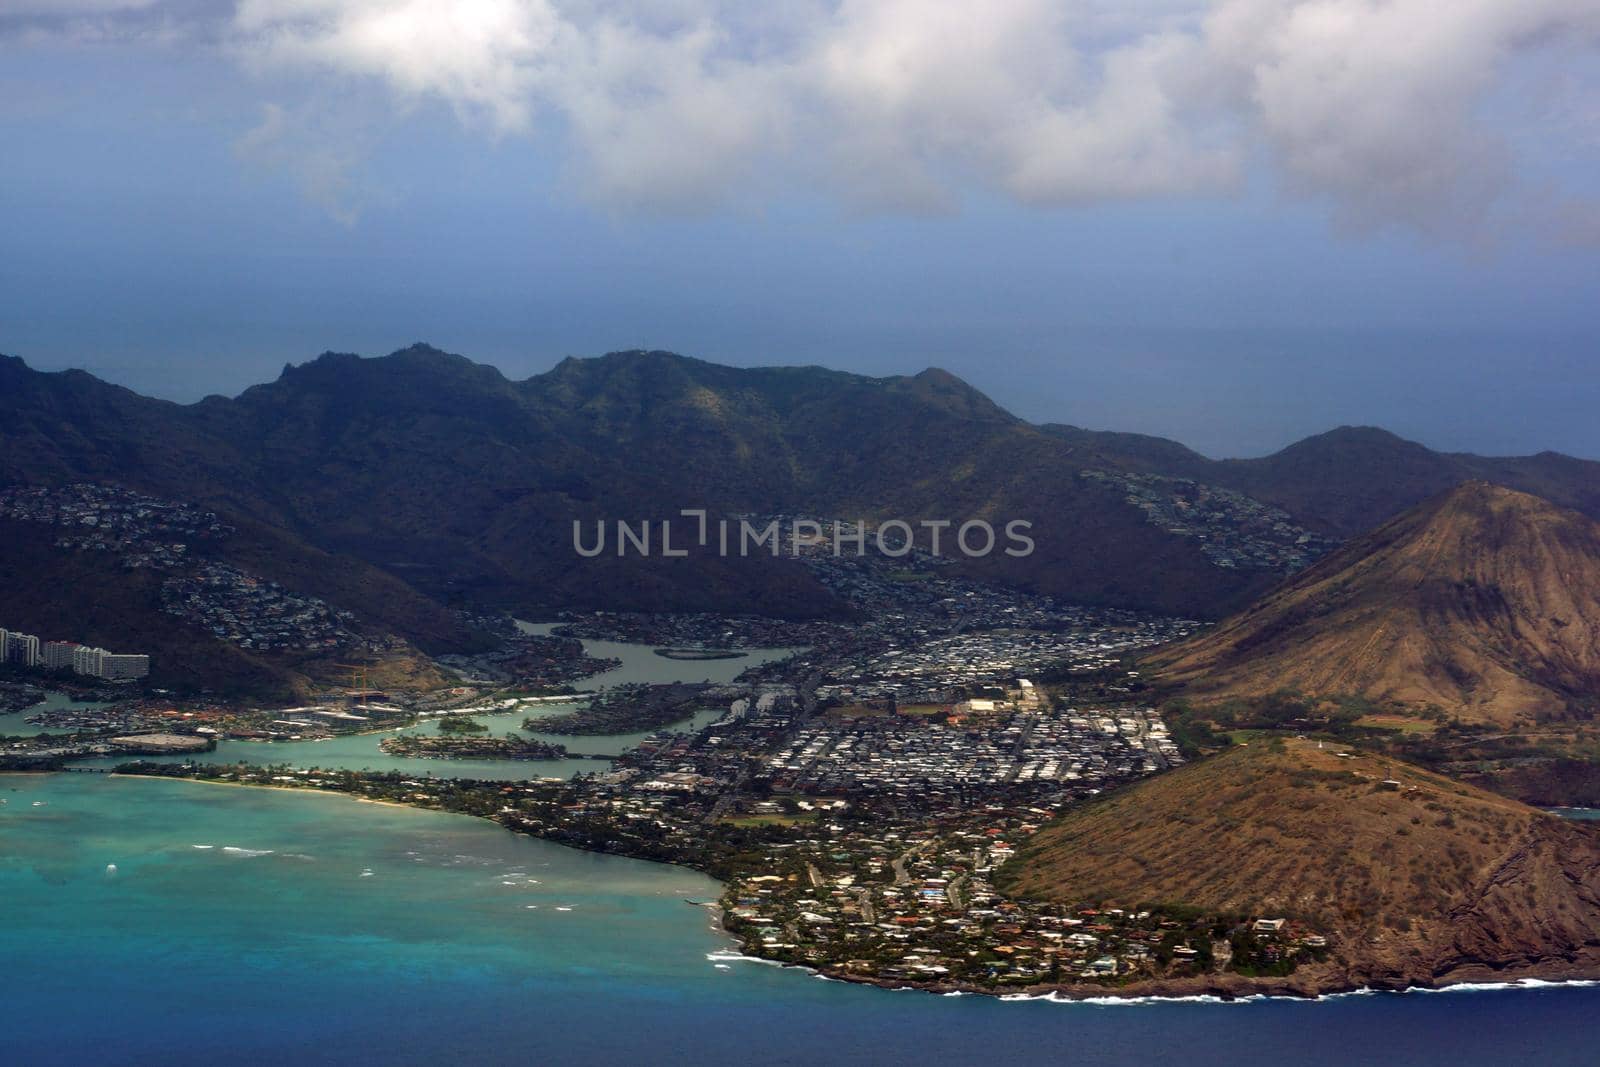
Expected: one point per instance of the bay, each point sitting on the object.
(319, 929)
(14, 724)
(362, 751)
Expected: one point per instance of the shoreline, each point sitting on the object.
(1144, 994)
(1208, 989)
(287, 789)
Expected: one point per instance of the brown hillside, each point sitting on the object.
(1414, 878)
(1483, 601)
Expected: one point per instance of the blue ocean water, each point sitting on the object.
(256, 926)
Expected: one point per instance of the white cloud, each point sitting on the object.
(482, 56)
(320, 153)
(1376, 103)
(1376, 107)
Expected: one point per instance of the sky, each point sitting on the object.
(1231, 222)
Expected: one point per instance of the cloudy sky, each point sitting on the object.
(1234, 222)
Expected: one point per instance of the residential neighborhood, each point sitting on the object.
(254, 613)
(143, 531)
(1233, 530)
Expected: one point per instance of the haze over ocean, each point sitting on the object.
(1192, 218)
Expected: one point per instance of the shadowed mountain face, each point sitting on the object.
(1415, 879)
(1482, 601)
(1346, 481)
(465, 484)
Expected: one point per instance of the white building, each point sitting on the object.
(112, 666)
(124, 667)
(89, 661)
(58, 654)
(22, 649)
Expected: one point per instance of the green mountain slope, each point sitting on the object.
(463, 485)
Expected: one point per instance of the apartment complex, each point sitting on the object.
(113, 667)
(24, 650)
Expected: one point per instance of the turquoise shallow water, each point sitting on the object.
(14, 723)
(342, 932)
(362, 752)
(1581, 814)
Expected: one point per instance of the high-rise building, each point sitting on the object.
(113, 667)
(89, 661)
(58, 654)
(124, 667)
(22, 649)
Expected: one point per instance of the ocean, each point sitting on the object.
(160, 922)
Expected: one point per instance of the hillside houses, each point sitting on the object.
(143, 531)
(254, 613)
(1233, 530)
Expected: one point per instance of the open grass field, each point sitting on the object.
(1404, 724)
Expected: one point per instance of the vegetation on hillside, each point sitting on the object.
(1411, 873)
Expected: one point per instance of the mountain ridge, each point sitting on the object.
(1482, 601)
(463, 482)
